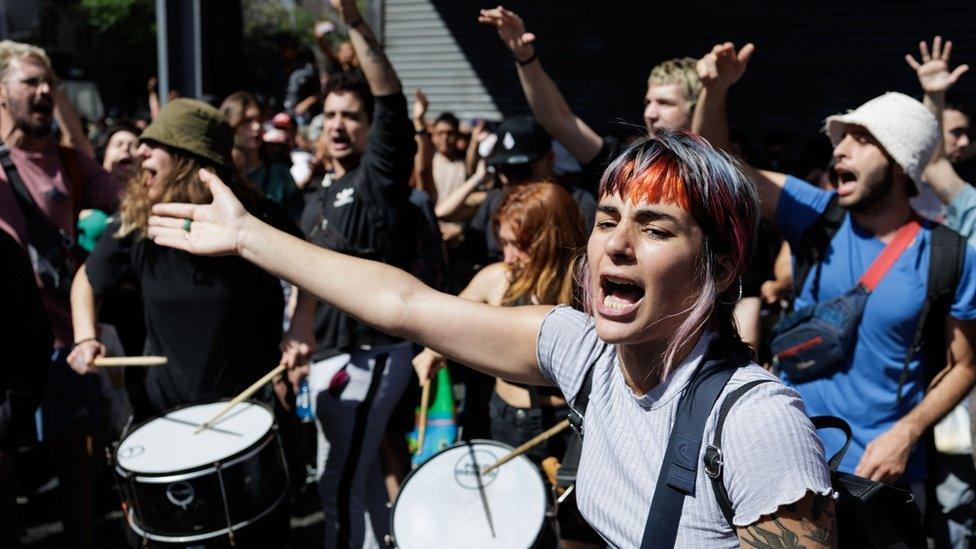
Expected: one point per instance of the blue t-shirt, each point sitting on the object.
(865, 392)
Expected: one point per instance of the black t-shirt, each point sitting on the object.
(217, 319)
(358, 214)
(593, 170)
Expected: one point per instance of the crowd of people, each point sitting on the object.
(555, 272)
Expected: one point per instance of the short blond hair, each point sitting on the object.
(11, 51)
(680, 70)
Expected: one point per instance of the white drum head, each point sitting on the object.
(440, 504)
(167, 444)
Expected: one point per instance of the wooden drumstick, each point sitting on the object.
(246, 394)
(117, 361)
(535, 441)
(422, 421)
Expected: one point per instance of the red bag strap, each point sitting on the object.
(882, 264)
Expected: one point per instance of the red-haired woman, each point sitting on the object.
(540, 230)
(674, 229)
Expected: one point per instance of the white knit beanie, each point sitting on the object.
(902, 125)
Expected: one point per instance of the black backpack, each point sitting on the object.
(869, 514)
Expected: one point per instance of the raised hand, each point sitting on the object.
(346, 9)
(511, 29)
(724, 66)
(420, 105)
(933, 72)
(201, 229)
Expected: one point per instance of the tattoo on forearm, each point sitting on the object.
(816, 527)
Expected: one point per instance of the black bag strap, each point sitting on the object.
(578, 409)
(17, 184)
(714, 460)
(809, 251)
(713, 452)
(680, 468)
(566, 474)
(948, 249)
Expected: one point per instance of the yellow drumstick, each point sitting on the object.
(535, 441)
(242, 397)
(117, 361)
(422, 421)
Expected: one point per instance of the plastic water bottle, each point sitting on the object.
(303, 403)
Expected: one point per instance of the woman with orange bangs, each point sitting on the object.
(674, 230)
(540, 230)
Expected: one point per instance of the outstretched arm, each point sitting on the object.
(718, 70)
(374, 63)
(498, 341)
(547, 103)
(935, 79)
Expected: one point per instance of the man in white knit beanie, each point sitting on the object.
(880, 386)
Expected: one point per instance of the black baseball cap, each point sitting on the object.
(520, 140)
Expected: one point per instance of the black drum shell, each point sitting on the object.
(190, 503)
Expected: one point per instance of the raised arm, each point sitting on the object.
(935, 78)
(457, 205)
(498, 341)
(72, 132)
(719, 69)
(376, 67)
(423, 161)
(153, 98)
(547, 103)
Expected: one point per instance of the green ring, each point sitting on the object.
(186, 224)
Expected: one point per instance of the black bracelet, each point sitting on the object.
(421, 132)
(86, 340)
(527, 61)
(353, 24)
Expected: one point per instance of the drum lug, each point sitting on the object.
(388, 539)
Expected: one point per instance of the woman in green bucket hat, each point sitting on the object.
(217, 320)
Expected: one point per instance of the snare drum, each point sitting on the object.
(181, 488)
(443, 504)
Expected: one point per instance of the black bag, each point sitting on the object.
(53, 251)
(869, 514)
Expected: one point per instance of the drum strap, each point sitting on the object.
(344, 495)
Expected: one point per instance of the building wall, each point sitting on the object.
(813, 58)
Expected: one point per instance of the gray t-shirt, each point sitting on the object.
(772, 454)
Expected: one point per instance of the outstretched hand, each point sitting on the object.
(933, 72)
(511, 29)
(724, 66)
(201, 229)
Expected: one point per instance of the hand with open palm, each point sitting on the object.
(213, 229)
(511, 29)
(933, 71)
(724, 66)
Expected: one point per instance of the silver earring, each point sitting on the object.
(736, 300)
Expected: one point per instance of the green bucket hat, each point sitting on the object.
(195, 127)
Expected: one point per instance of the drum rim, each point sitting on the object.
(406, 479)
(140, 531)
(260, 442)
(207, 469)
